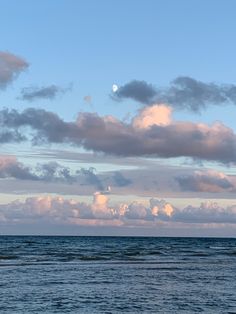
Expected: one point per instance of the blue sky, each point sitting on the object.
(95, 44)
(83, 48)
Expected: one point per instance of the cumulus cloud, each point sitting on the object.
(161, 208)
(46, 207)
(100, 208)
(206, 181)
(10, 67)
(60, 210)
(112, 136)
(183, 93)
(45, 92)
(135, 210)
(154, 115)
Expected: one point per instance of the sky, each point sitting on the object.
(118, 117)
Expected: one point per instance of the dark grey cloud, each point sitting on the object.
(182, 93)
(188, 93)
(114, 137)
(207, 181)
(10, 167)
(137, 90)
(52, 171)
(10, 67)
(46, 92)
(47, 125)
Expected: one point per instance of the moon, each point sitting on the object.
(114, 88)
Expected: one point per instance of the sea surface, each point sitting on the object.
(117, 275)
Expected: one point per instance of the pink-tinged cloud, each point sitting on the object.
(207, 212)
(207, 181)
(62, 211)
(154, 115)
(59, 209)
(10, 67)
(112, 136)
(10, 167)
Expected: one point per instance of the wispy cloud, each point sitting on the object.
(45, 92)
(88, 99)
(10, 67)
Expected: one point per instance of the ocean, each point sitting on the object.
(63, 274)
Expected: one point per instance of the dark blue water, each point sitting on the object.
(117, 275)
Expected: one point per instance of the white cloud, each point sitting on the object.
(100, 207)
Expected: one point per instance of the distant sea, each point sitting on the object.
(40, 274)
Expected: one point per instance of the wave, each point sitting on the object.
(8, 257)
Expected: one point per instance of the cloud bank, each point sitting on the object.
(10, 67)
(112, 136)
(63, 211)
(53, 172)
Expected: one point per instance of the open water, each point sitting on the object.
(117, 275)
